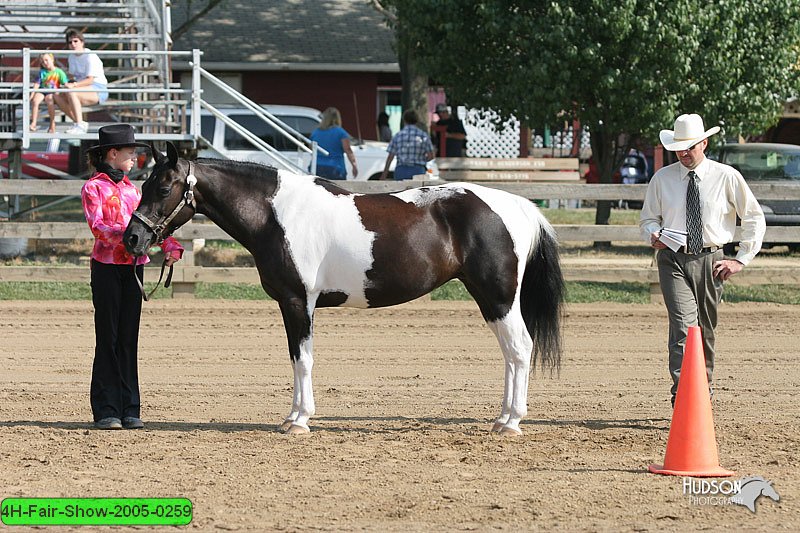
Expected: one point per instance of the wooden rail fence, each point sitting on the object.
(187, 274)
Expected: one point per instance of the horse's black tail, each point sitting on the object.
(542, 298)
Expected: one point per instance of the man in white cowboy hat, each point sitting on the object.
(698, 198)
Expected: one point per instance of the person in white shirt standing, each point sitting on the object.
(703, 198)
(86, 69)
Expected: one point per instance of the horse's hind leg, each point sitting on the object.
(517, 346)
(499, 305)
(297, 318)
(508, 389)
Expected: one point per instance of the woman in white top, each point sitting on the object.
(87, 71)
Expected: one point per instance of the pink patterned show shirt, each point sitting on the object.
(108, 207)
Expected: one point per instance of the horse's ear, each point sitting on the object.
(172, 155)
(157, 155)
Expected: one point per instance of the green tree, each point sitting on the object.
(624, 68)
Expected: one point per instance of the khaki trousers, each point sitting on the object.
(691, 294)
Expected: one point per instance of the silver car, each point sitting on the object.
(370, 155)
(768, 163)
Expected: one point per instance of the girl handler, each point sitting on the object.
(109, 199)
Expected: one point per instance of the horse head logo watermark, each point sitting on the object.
(743, 491)
(752, 488)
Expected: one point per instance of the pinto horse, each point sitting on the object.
(318, 245)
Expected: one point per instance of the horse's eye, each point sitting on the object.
(164, 191)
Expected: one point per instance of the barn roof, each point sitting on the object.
(289, 34)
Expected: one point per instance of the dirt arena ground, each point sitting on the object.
(405, 398)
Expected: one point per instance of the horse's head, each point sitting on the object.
(769, 491)
(167, 202)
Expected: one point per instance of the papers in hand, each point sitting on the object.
(673, 238)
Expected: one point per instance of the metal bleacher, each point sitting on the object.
(132, 39)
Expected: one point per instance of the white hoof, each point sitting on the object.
(283, 428)
(294, 429)
(497, 427)
(510, 432)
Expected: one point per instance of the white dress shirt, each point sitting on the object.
(723, 195)
(81, 66)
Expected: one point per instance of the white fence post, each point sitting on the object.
(194, 127)
(26, 95)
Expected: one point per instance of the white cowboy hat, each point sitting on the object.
(689, 130)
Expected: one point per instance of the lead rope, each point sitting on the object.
(145, 296)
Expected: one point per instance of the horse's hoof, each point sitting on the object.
(283, 428)
(510, 432)
(294, 429)
(497, 427)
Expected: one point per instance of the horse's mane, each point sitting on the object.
(242, 167)
(745, 480)
(253, 170)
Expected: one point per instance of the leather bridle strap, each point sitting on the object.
(188, 199)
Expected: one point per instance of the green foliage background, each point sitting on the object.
(623, 66)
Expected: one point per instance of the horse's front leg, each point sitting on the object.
(298, 321)
(295, 412)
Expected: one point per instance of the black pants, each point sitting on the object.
(117, 309)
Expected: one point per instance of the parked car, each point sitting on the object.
(58, 158)
(768, 163)
(370, 155)
(634, 170)
(44, 159)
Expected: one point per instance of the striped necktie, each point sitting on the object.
(694, 218)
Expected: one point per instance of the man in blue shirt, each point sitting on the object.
(411, 146)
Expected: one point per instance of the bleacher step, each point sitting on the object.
(58, 20)
(90, 38)
(67, 7)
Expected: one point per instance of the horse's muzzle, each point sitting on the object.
(137, 238)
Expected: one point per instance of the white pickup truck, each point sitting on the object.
(370, 155)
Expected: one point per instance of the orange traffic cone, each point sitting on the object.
(692, 444)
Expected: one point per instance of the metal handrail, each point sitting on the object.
(289, 132)
(110, 89)
(282, 128)
(112, 53)
(257, 142)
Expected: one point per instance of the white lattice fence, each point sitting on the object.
(484, 138)
(561, 139)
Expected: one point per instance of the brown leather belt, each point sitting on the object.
(706, 250)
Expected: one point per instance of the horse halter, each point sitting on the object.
(158, 229)
(188, 199)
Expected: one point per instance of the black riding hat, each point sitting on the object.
(116, 136)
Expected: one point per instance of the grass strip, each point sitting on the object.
(577, 292)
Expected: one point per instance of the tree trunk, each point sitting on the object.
(414, 93)
(603, 154)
